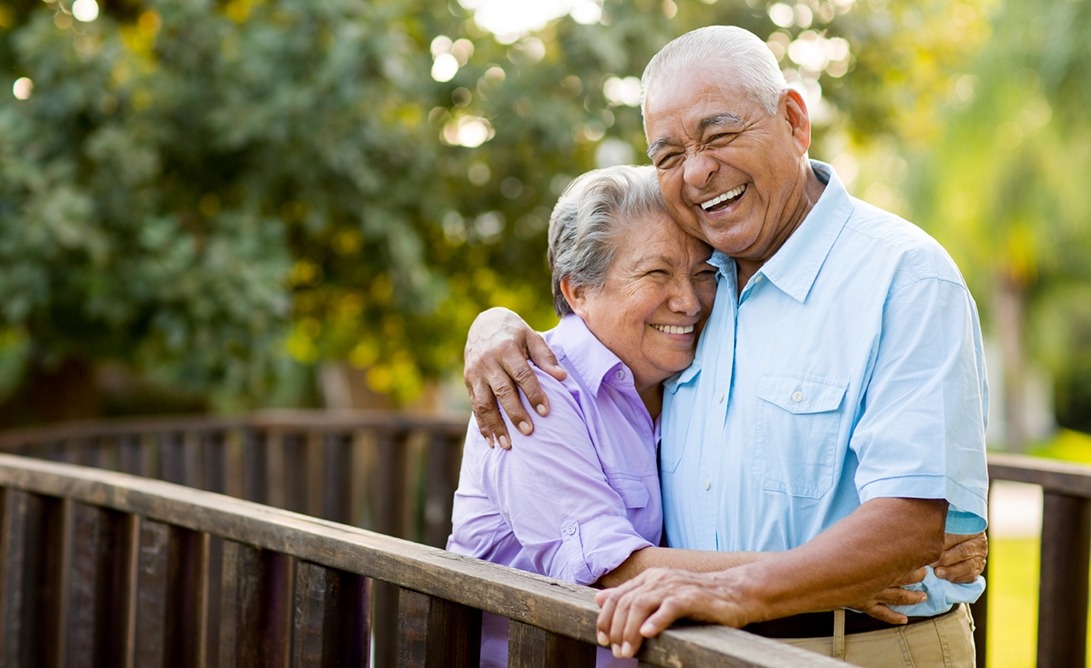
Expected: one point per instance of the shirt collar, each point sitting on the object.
(592, 361)
(795, 266)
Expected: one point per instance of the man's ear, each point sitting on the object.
(575, 295)
(795, 112)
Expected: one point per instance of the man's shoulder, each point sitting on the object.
(877, 236)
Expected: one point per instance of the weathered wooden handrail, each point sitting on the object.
(395, 473)
(1065, 552)
(104, 568)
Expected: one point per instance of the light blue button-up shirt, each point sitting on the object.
(849, 368)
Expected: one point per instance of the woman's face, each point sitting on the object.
(657, 294)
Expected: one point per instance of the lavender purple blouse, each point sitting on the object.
(578, 496)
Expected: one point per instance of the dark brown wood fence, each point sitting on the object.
(395, 474)
(99, 568)
(392, 473)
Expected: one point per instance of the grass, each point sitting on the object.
(1013, 602)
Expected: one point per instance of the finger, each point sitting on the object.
(543, 357)
(487, 413)
(885, 614)
(511, 396)
(961, 548)
(900, 596)
(963, 572)
(511, 402)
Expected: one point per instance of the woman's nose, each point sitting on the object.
(684, 298)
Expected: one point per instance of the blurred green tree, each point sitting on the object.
(1004, 189)
(209, 192)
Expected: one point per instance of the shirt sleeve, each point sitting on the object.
(551, 489)
(922, 428)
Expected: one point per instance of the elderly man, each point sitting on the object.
(836, 408)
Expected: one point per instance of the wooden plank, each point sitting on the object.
(153, 568)
(531, 647)
(255, 466)
(1053, 475)
(186, 623)
(1063, 595)
(387, 502)
(337, 451)
(261, 590)
(118, 562)
(172, 467)
(331, 625)
(435, 632)
(84, 607)
(15, 589)
(441, 478)
(312, 472)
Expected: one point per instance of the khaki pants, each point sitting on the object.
(946, 641)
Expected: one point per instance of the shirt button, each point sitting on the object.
(569, 529)
(707, 484)
(619, 374)
(797, 396)
(720, 398)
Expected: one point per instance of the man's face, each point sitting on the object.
(731, 174)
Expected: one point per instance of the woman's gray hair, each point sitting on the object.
(590, 218)
(754, 66)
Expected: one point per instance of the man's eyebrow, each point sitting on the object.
(715, 120)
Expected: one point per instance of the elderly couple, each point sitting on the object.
(809, 443)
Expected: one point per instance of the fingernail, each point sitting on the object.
(604, 640)
(541, 409)
(524, 427)
(941, 573)
(626, 649)
(490, 441)
(504, 443)
(617, 651)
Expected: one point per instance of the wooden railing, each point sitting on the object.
(99, 568)
(395, 474)
(392, 473)
(1065, 549)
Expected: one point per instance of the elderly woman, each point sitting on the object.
(581, 495)
(579, 499)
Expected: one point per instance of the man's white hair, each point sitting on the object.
(753, 65)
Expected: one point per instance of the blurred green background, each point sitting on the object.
(220, 206)
(227, 205)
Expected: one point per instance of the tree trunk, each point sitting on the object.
(1010, 309)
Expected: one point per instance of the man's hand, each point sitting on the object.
(963, 558)
(879, 605)
(649, 603)
(498, 346)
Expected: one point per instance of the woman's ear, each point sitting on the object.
(575, 295)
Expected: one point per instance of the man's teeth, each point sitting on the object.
(730, 194)
(674, 329)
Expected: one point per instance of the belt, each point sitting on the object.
(820, 624)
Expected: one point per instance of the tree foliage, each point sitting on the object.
(1004, 189)
(201, 189)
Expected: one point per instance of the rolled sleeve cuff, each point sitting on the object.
(967, 511)
(593, 548)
